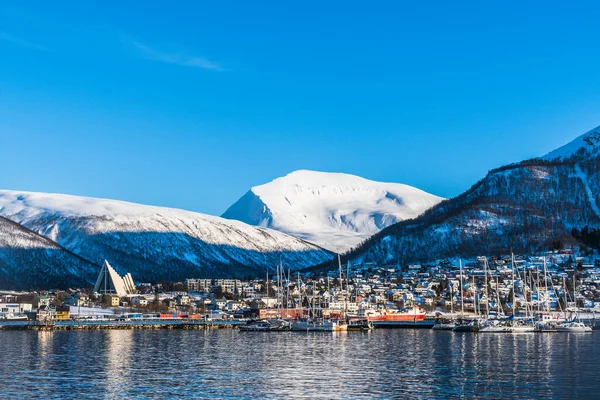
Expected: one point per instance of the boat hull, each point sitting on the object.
(466, 328)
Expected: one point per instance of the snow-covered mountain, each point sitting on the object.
(31, 261)
(529, 206)
(584, 146)
(156, 243)
(336, 211)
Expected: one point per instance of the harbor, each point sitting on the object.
(552, 292)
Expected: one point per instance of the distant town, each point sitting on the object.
(560, 282)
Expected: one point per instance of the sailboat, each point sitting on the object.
(517, 326)
(464, 326)
(445, 324)
(321, 324)
(492, 325)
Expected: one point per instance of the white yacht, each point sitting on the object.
(574, 327)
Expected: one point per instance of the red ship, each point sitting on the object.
(384, 316)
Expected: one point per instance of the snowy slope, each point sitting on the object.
(586, 145)
(336, 211)
(156, 243)
(29, 260)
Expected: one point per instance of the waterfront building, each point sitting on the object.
(110, 282)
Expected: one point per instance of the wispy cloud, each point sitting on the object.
(7, 37)
(174, 58)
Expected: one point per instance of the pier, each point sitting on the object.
(186, 324)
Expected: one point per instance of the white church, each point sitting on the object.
(109, 281)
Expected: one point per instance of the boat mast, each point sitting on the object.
(451, 296)
(280, 287)
(347, 293)
(475, 298)
(512, 263)
(487, 302)
(287, 296)
(462, 301)
(547, 298)
(574, 290)
(498, 296)
(328, 293)
(341, 281)
(565, 293)
(300, 294)
(537, 286)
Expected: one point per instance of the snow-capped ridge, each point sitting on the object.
(156, 243)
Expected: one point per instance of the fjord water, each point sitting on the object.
(425, 364)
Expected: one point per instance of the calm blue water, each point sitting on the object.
(231, 364)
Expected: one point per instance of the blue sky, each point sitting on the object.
(189, 104)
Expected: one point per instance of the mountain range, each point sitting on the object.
(333, 210)
(152, 243)
(55, 240)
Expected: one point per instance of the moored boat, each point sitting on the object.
(467, 326)
(266, 326)
(360, 324)
(319, 325)
(573, 327)
(389, 316)
(494, 326)
(256, 326)
(442, 324)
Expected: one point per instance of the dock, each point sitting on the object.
(58, 325)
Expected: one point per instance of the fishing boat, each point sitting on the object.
(388, 316)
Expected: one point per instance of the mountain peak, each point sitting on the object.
(318, 178)
(586, 144)
(333, 210)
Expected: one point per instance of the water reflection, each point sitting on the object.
(232, 364)
(117, 349)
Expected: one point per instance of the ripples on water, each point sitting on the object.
(231, 364)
